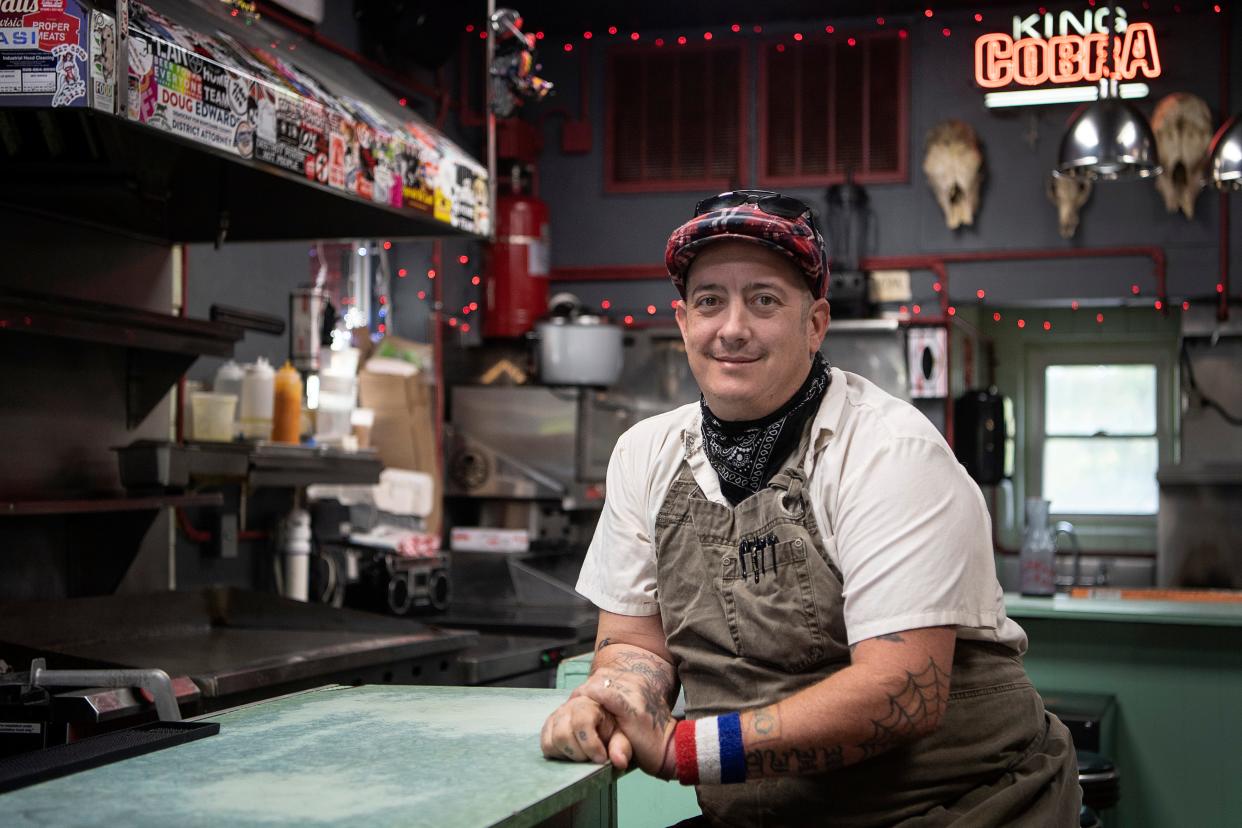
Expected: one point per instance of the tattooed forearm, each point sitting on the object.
(644, 676)
(601, 645)
(760, 763)
(912, 711)
(765, 726)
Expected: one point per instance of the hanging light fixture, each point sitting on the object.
(1107, 140)
(1225, 155)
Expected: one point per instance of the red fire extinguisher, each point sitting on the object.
(517, 267)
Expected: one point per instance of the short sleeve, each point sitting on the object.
(619, 573)
(913, 539)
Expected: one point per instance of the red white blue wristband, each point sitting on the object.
(709, 751)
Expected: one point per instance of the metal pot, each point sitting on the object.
(579, 350)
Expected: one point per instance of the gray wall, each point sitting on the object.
(591, 227)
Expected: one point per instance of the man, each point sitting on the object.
(804, 555)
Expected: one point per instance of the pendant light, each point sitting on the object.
(1107, 140)
(1225, 155)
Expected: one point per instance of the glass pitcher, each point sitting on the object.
(1037, 560)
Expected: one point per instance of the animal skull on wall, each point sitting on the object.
(1182, 124)
(953, 164)
(1068, 194)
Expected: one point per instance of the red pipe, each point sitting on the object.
(200, 536)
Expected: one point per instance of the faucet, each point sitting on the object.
(1064, 527)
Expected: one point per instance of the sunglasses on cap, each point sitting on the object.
(774, 204)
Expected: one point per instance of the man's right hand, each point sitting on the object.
(580, 731)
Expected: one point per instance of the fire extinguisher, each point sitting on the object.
(517, 267)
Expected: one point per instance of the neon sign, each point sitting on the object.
(1069, 48)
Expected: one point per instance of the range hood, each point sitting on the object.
(199, 122)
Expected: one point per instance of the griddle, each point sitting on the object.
(228, 641)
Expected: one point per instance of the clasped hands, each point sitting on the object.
(614, 717)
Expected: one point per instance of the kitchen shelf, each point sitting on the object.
(147, 465)
(119, 503)
(159, 347)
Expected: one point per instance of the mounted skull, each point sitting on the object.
(1182, 124)
(953, 164)
(1068, 194)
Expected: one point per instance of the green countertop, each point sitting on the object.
(372, 755)
(1132, 611)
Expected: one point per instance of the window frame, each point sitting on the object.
(718, 184)
(1095, 530)
(900, 176)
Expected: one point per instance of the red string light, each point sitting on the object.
(568, 47)
(1047, 325)
(402, 101)
(780, 47)
(1185, 306)
(735, 28)
(918, 309)
(465, 310)
(879, 21)
(681, 40)
(903, 310)
(463, 259)
(1074, 305)
(996, 317)
(903, 34)
(673, 304)
(606, 304)
(612, 30)
(952, 311)
(474, 280)
(452, 321)
(946, 31)
(431, 274)
(659, 41)
(470, 27)
(830, 29)
(757, 29)
(1220, 288)
(1159, 305)
(1099, 318)
(388, 245)
(482, 35)
(980, 293)
(465, 328)
(651, 309)
(852, 42)
(978, 17)
(629, 320)
(422, 294)
(936, 286)
(1216, 8)
(633, 35)
(382, 327)
(1021, 323)
(402, 273)
(927, 12)
(587, 35)
(474, 306)
(798, 36)
(707, 35)
(1134, 289)
(538, 35)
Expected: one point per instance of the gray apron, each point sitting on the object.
(742, 639)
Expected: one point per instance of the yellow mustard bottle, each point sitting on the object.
(287, 405)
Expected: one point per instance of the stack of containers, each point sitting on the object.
(338, 395)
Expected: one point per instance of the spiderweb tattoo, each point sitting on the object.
(921, 702)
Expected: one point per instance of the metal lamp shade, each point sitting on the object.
(1225, 155)
(1107, 140)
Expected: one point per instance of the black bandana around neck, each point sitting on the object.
(746, 454)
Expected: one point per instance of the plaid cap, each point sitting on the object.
(792, 238)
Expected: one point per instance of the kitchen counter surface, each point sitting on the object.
(1133, 611)
(371, 755)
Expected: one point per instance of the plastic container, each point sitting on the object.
(1037, 560)
(229, 377)
(335, 413)
(258, 395)
(287, 405)
(213, 416)
(297, 548)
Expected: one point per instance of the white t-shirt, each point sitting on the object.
(899, 516)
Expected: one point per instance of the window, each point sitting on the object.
(1101, 449)
(828, 109)
(674, 119)
(1099, 423)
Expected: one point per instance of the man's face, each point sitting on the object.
(750, 328)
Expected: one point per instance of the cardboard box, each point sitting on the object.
(404, 430)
